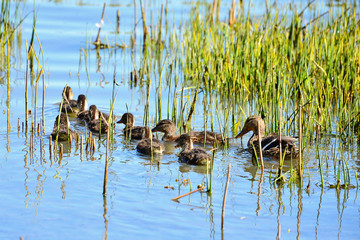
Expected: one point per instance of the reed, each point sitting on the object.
(106, 164)
(196, 190)
(97, 40)
(224, 199)
(275, 59)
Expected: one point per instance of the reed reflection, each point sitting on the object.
(261, 179)
(298, 217)
(341, 205)
(318, 213)
(279, 212)
(106, 221)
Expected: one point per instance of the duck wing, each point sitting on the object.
(136, 132)
(144, 146)
(273, 141)
(209, 137)
(195, 156)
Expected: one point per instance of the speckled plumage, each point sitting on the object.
(97, 124)
(189, 154)
(148, 146)
(168, 127)
(62, 129)
(130, 130)
(82, 104)
(69, 105)
(270, 145)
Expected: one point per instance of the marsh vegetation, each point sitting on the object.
(207, 68)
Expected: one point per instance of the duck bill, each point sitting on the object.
(154, 129)
(242, 133)
(120, 121)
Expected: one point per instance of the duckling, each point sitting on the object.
(97, 123)
(148, 146)
(69, 104)
(189, 154)
(62, 129)
(168, 128)
(130, 130)
(270, 145)
(82, 105)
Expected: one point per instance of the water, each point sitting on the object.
(41, 199)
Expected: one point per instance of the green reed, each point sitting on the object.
(254, 65)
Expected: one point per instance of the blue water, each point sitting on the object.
(44, 199)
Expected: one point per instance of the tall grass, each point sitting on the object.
(261, 62)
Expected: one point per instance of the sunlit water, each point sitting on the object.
(44, 199)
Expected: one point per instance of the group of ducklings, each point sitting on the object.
(95, 120)
(148, 144)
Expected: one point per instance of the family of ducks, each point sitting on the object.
(98, 122)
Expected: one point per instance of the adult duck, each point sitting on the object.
(62, 130)
(270, 145)
(189, 154)
(97, 123)
(150, 145)
(130, 130)
(168, 127)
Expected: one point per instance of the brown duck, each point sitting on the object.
(168, 127)
(189, 154)
(148, 146)
(130, 130)
(82, 105)
(97, 123)
(62, 129)
(69, 104)
(270, 145)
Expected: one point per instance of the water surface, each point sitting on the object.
(43, 199)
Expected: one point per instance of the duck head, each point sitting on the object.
(82, 103)
(67, 93)
(93, 113)
(253, 123)
(128, 119)
(185, 141)
(165, 126)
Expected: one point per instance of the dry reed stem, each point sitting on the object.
(106, 163)
(260, 150)
(50, 147)
(97, 41)
(143, 13)
(224, 199)
(18, 124)
(26, 90)
(93, 147)
(280, 147)
(199, 189)
(213, 11)
(61, 152)
(118, 21)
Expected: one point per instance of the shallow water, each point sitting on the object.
(44, 199)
